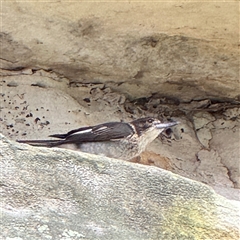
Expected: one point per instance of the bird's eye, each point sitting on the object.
(150, 120)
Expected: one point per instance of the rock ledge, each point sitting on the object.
(61, 194)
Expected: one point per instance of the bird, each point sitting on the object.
(122, 140)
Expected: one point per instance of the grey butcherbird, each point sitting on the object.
(112, 139)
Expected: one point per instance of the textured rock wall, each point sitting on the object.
(183, 50)
(57, 194)
(68, 64)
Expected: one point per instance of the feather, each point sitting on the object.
(103, 132)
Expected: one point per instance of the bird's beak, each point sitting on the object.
(166, 125)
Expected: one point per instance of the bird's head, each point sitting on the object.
(149, 128)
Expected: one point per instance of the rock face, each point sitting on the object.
(138, 49)
(204, 147)
(62, 194)
(70, 64)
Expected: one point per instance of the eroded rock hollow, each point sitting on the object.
(67, 65)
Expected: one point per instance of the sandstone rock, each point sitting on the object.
(137, 49)
(61, 194)
(35, 105)
(70, 64)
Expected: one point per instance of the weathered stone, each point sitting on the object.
(62, 194)
(69, 64)
(137, 49)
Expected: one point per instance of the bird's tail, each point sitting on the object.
(42, 143)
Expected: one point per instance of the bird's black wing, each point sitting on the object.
(78, 130)
(104, 132)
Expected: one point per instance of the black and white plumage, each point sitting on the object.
(112, 139)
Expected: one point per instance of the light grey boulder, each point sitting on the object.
(62, 194)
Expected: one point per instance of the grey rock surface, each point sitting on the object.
(62, 194)
(137, 49)
(70, 64)
(204, 148)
